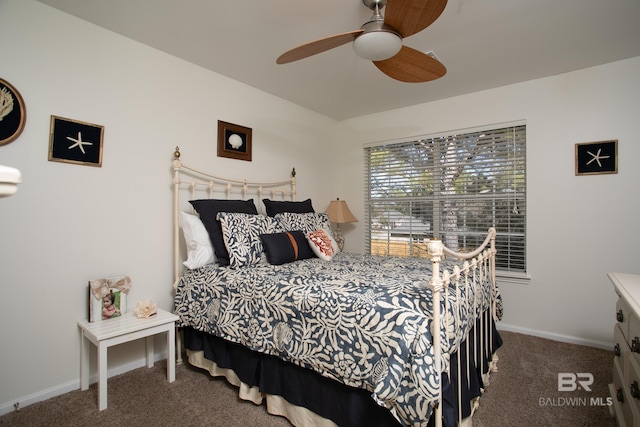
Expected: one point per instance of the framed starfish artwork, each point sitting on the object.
(75, 142)
(595, 158)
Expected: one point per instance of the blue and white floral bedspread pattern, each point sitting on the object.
(361, 320)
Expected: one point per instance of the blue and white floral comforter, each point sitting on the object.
(361, 320)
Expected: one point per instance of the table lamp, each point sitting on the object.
(339, 213)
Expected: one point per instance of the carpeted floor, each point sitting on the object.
(523, 392)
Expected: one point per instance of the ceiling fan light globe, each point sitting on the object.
(377, 45)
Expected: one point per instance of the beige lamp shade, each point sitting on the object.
(339, 212)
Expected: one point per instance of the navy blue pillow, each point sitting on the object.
(289, 246)
(274, 207)
(208, 210)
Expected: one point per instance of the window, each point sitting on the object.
(453, 187)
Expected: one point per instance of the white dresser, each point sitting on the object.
(625, 388)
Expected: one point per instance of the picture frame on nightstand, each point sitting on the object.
(108, 298)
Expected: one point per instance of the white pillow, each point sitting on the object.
(322, 244)
(199, 249)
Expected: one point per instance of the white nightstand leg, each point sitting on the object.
(171, 354)
(84, 362)
(127, 328)
(150, 351)
(102, 376)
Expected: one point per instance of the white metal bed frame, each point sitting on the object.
(477, 266)
(201, 183)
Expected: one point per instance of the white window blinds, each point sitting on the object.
(453, 187)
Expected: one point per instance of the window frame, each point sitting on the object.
(518, 164)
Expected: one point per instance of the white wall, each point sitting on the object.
(68, 223)
(579, 228)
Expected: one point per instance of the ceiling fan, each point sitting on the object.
(380, 40)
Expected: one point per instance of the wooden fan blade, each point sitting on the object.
(317, 46)
(412, 16)
(411, 66)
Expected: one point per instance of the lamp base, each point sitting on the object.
(339, 238)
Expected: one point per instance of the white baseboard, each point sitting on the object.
(39, 396)
(555, 337)
(57, 390)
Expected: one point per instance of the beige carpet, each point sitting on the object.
(522, 393)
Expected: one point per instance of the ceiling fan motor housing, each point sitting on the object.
(378, 42)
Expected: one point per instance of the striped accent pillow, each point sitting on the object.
(289, 246)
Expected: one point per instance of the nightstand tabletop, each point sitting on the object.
(127, 323)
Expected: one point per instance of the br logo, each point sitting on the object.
(568, 381)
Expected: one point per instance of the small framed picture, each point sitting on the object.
(234, 141)
(13, 113)
(108, 298)
(76, 142)
(594, 158)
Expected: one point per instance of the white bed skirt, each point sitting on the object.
(276, 405)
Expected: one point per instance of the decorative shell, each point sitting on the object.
(146, 308)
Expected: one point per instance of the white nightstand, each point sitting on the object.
(119, 330)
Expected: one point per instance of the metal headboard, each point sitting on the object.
(198, 184)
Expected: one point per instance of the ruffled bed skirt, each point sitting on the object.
(306, 398)
(276, 405)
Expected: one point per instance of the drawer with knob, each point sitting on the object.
(634, 335)
(621, 349)
(623, 313)
(633, 385)
(621, 396)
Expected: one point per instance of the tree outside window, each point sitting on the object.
(453, 187)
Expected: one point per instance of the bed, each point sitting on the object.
(326, 338)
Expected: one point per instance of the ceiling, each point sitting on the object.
(483, 43)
